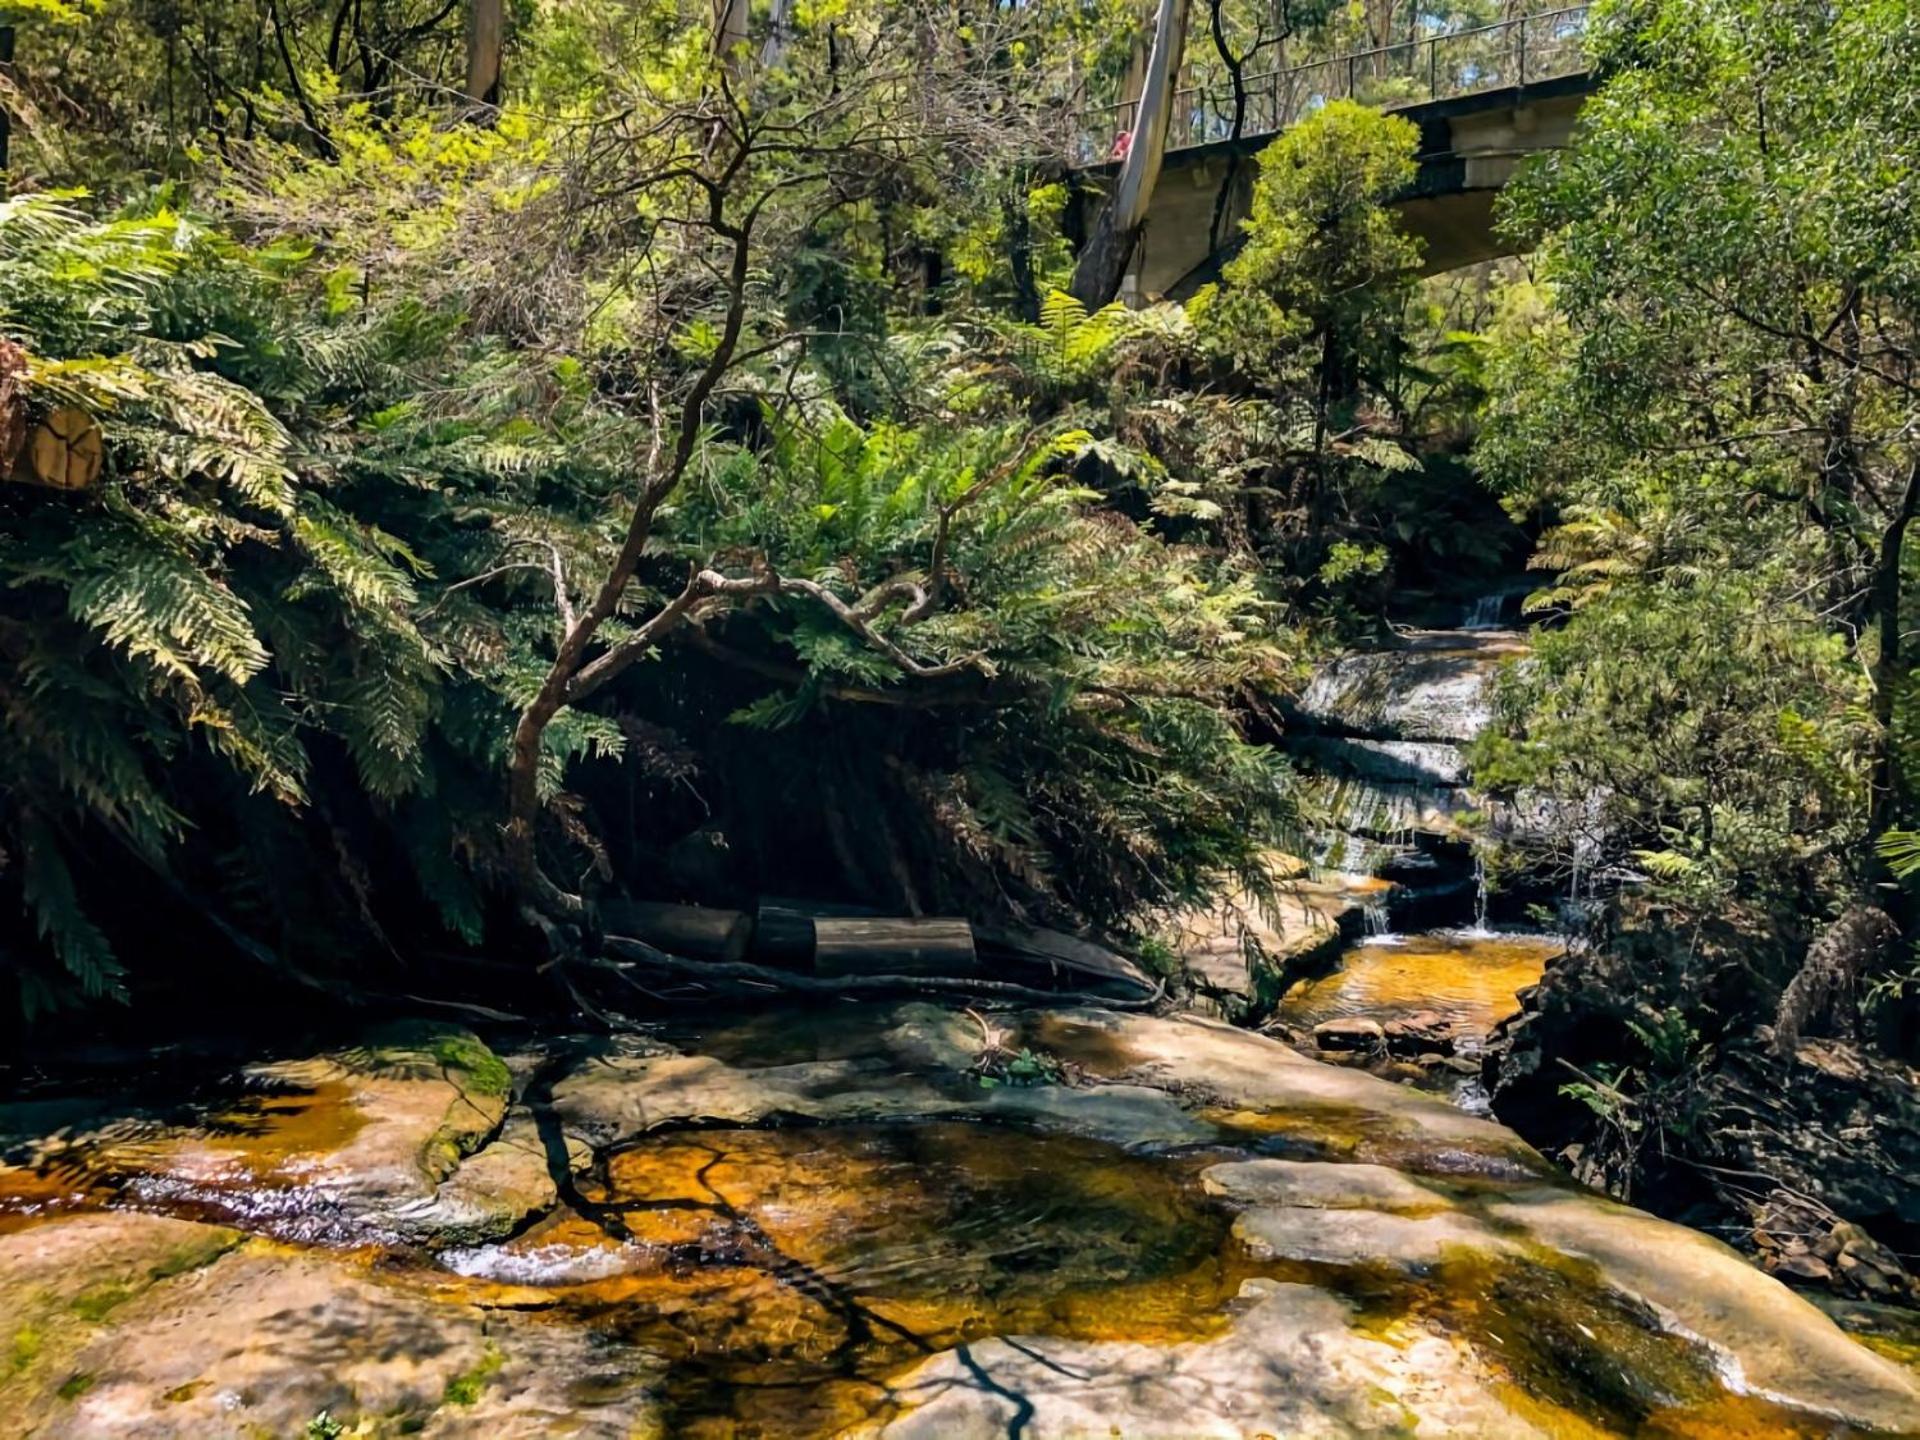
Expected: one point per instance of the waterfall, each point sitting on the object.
(1480, 894)
(1484, 613)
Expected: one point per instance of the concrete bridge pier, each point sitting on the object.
(1470, 146)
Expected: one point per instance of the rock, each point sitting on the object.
(1254, 1086)
(259, 1340)
(1772, 1341)
(1833, 1120)
(1292, 1364)
(1498, 1302)
(336, 1149)
(1350, 1032)
(1321, 1185)
(1425, 1033)
(1302, 934)
(1363, 1237)
(1801, 1265)
(1435, 688)
(494, 1190)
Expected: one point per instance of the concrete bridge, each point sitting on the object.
(1483, 99)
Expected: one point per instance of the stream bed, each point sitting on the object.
(1434, 995)
(857, 1220)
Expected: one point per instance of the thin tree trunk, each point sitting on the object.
(486, 36)
(779, 32)
(1097, 276)
(730, 20)
(1236, 74)
(1017, 221)
(1889, 667)
(6, 115)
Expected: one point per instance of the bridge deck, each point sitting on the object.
(1511, 53)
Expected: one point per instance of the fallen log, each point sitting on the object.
(745, 977)
(884, 946)
(1059, 952)
(684, 929)
(783, 936)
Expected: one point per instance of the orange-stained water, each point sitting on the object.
(780, 1278)
(1467, 977)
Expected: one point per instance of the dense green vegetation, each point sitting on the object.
(684, 478)
(672, 462)
(1709, 395)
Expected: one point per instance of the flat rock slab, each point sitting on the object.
(1362, 1237)
(1769, 1339)
(121, 1324)
(260, 1339)
(1319, 1185)
(331, 1149)
(1292, 1365)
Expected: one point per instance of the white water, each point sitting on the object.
(1484, 613)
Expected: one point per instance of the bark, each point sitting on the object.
(6, 115)
(1017, 224)
(730, 19)
(1097, 275)
(486, 33)
(1889, 665)
(563, 684)
(1236, 75)
(779, 32)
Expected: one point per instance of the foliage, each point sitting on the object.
(1709, 401)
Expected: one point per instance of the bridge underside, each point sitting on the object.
(1470, 147)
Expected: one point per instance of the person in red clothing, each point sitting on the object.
(1122, 143)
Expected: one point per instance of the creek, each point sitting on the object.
(915, 1221)
(856, 1220)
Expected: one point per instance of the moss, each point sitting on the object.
(465, 1388)
(180, 1394)
(25, 1344)
(98, 1301)
(75, 1385)
(485, 1071)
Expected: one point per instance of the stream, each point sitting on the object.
(915, 1221)
(863, 1220)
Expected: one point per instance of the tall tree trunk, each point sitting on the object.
(1889, 666)
(486, 34)
(6, 115)
(1097, 275)
(1017, 223)
(730, 21)
(779, 31)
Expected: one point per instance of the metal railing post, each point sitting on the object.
(1523, 49)
(1433, 69)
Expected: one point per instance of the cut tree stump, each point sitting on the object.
(63, 452)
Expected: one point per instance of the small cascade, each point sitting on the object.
(1480, 895)
(1378, 923)
(1484, 613)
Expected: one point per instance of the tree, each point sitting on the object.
(1735, 385)
(1109, 250)
(486, 34)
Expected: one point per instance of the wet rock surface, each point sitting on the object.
(836, 1222)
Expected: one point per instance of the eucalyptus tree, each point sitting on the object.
(1717, 396)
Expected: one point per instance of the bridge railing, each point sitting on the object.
(1521, 51)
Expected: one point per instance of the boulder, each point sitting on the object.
(1350, 1032)
(1426, 1033)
